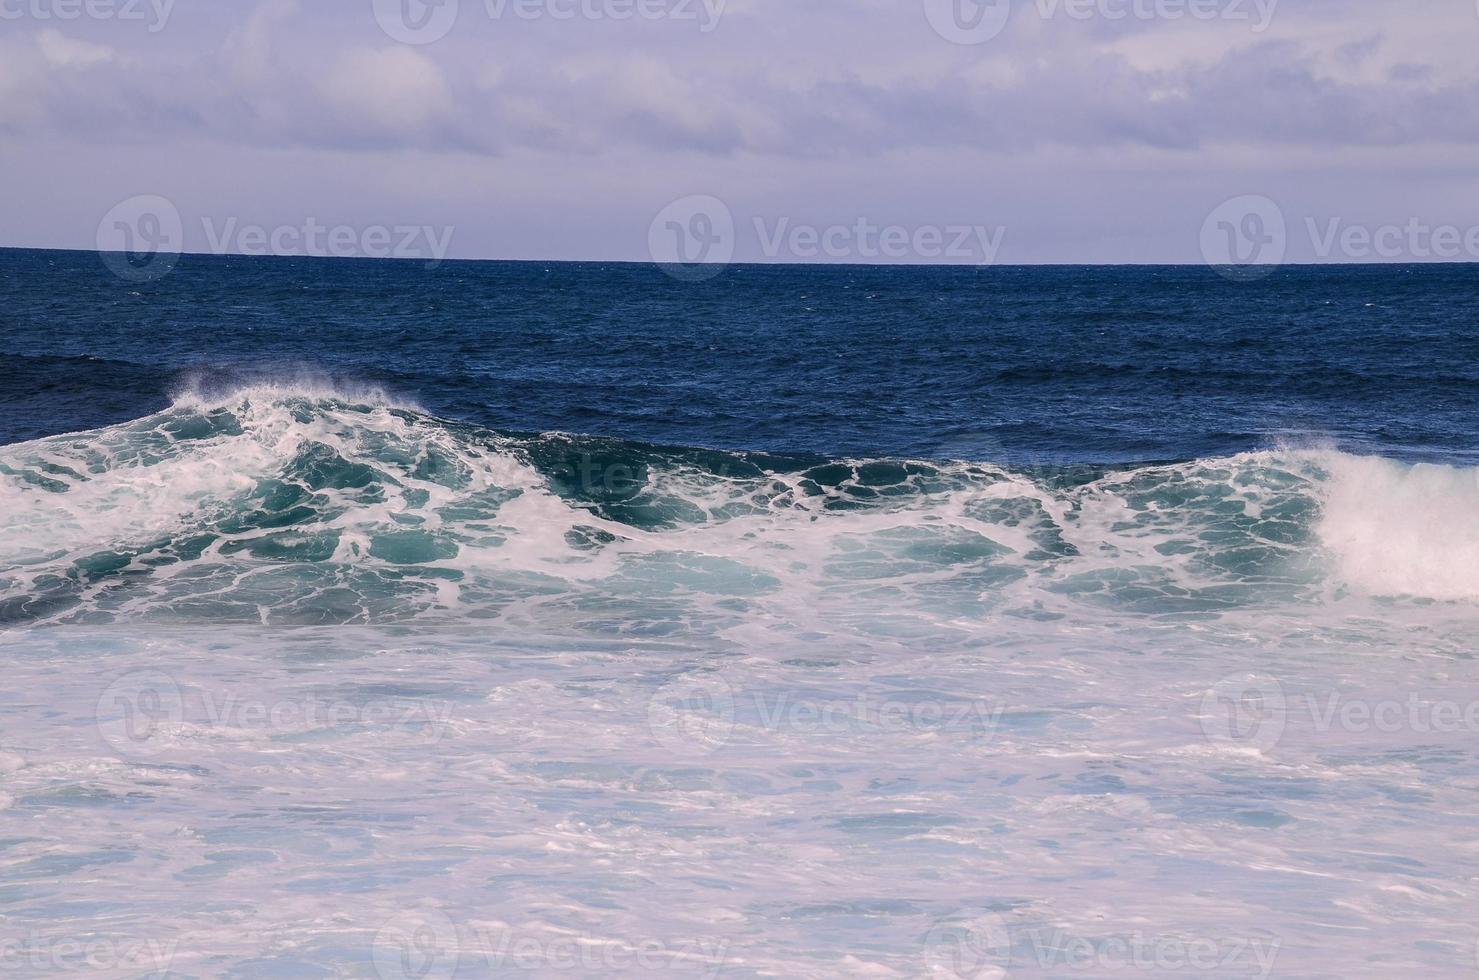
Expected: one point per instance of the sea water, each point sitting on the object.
(369, 619)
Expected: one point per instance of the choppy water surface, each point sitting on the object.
(320, 678)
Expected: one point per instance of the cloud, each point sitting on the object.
(393, 94)
(574, 87)
(63, 52)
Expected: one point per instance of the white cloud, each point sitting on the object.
(395, 91)
(65, 52)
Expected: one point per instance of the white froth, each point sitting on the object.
(1397, 529)
(938, 555)
(776, 737)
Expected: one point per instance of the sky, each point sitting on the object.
(1014, 131)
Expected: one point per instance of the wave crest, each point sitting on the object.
(303, 503)
(219, 388)
(1397, 529)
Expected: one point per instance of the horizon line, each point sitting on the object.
(432, 262)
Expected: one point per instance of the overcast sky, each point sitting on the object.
(1037, 131)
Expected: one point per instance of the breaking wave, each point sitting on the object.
(314, 504)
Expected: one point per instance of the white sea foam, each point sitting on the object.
(1399, 529)
(197, 389)
(865, 719)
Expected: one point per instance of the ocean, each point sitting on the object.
(374, 618)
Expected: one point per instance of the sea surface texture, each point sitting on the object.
(368, 619)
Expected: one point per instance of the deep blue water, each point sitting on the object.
(1081, 364)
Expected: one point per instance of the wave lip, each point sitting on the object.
(216, 388)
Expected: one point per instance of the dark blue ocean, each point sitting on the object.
(1072, 363)
(365, 619)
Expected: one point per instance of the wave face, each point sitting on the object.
(280, 506)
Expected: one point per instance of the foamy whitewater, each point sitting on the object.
(311, 683)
